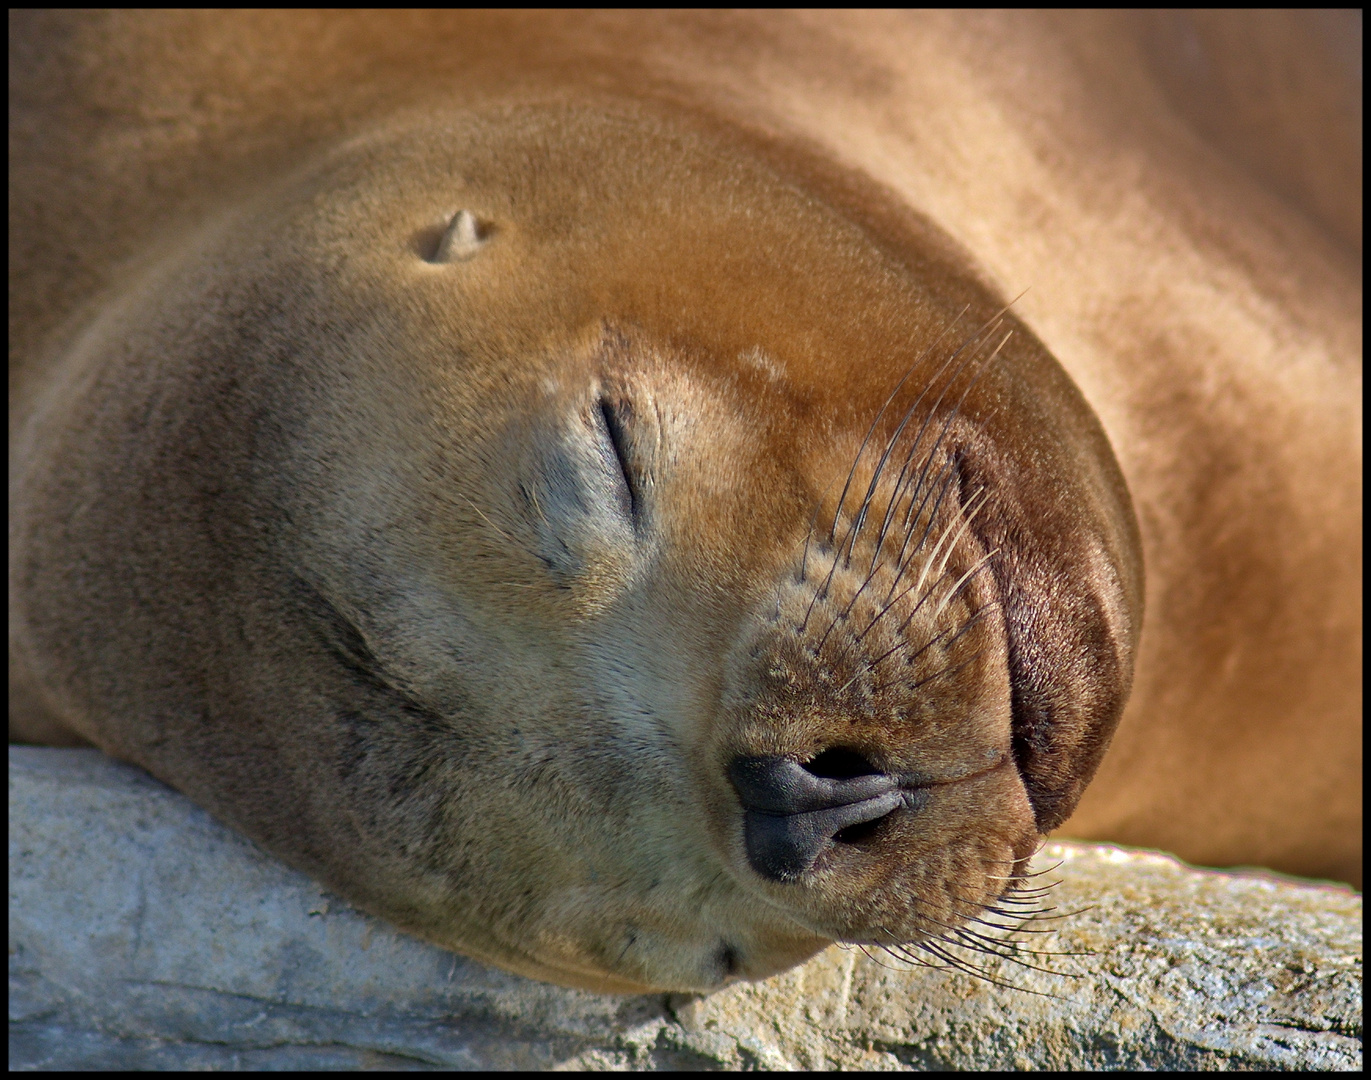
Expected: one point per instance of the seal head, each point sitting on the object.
(595, 542)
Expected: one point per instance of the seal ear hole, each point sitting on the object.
(840, 763)
(424, 243)
(456, 240)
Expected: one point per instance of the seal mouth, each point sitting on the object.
(792, 812)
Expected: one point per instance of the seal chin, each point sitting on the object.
(705, 950)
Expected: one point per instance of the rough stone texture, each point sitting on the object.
(145, 935)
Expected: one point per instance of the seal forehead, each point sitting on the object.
(581, 214)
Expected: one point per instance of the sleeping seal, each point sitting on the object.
(590, 502)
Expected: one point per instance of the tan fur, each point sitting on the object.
(310, 516)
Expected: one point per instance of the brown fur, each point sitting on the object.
(314, 528)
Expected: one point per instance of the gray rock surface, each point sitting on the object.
(143, 934)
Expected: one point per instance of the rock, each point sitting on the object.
(143, 934)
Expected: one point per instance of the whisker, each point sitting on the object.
(973, 343)
(951, 960)
(1020, 926)
(491, 523)
(951, 669)
(978, 973)
(982, 495)
(971, 346)
(974, 507)
(904, 643)
(932, 453)
(917, 585)
(881, 412)
(898, 488)
(942, 483)
(992, 947)
(956, 409)
(937, 614)
(804, 558)
(977, 909)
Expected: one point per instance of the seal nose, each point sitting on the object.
(791, 811)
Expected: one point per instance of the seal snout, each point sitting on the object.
(792, 812)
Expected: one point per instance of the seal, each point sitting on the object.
(605, 522)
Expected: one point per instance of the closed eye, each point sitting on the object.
(614, 418)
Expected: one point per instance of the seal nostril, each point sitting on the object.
(840, 763)
(777, 785)
(863, 830)
(791, 814)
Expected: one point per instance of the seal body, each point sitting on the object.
(585, 498)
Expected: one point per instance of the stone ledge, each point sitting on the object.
(144, 935)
